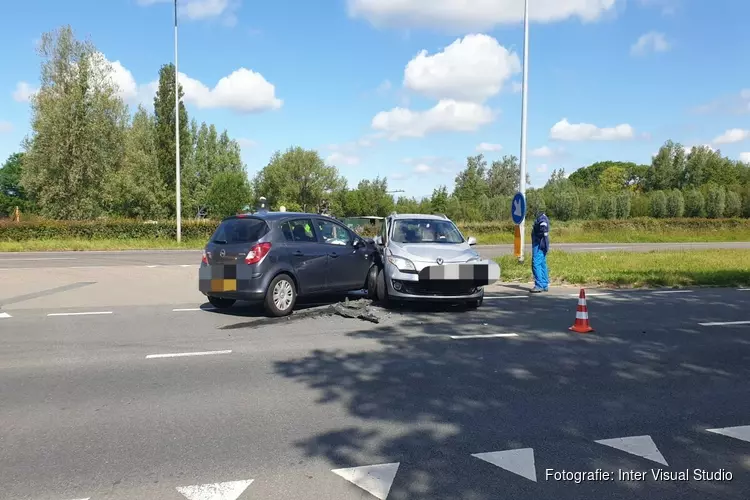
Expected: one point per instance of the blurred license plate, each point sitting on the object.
(476, 274)
(223, 285)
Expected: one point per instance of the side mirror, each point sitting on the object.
(357, 243)
(472, 241)
(378, 240)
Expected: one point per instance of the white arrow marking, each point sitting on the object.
(374, 479)
(519, 461)
(216, 491)
(642, 446)
(5, 315)
(741, 432)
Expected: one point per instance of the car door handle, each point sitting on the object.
(298, 253)
(333, 254)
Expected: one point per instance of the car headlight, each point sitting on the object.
(401, 263)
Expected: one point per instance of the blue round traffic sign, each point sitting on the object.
(518, 208)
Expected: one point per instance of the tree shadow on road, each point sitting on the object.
(429, 401)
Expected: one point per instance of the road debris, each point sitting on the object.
(355, 309)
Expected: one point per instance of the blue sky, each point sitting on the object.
(408, 88)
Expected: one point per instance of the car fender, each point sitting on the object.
(280, 267)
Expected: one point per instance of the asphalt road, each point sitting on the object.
(10, 260)
(97, 406)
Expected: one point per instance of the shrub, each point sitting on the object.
(675, 204)
(733, 206)
(658, 204)
(622, 205)
(695, 204)
(589, 207)
(716, 199)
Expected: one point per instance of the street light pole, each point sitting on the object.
(524, 105)
(177, 181)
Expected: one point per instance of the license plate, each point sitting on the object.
(475, 274)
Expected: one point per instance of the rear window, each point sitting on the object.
(233, 231)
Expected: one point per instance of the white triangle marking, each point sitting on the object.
(519, 461)
(216, 491)
(642, 446)
(374, 479)
(741, 432)
(5, 315)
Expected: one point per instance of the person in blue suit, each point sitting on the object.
(539, 249)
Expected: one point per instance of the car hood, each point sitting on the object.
(430, 252)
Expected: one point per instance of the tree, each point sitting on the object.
(695, 203)
(613, 179)
(164, 113)
(733, 206)
(370, 198)
(12, 193)
(78, 126)
(658, 204)
(623, 204)
(675, 204)
(439, 200)
(137, 188)
(716, 198)
(608, 207)
(471, 182)
(589, 206)
(503, 176)
(300, 176)
(666, 167)
(228, 194)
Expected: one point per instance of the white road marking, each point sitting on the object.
(741, 432)
(230, 490)
(374, 479)
(38, 258)
(591, 294)
(187, 265)
(520, 461)
(485, 336)
(664, 292)
(183, 354)
(505, 297)
(194, 309)
(744, 289)
(90, 313)
(152, 266)
(5, 315)
(642, 446)
(725, 323)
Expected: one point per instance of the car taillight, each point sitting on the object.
(204, 258)
(257, 253)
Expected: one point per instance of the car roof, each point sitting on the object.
(419, 216)
(274, 216)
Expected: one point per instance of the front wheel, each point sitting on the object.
(372, 283)
(382, 290)
(281, 296)
(221, 303)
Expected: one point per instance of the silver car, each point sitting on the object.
(419, 260)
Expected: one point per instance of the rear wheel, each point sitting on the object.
(221, 303)
(281, 296)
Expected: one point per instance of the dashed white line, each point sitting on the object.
(486, 336)
(5, 315)
(664, 292)
(725, 323)
(194, 309)
(37, 258)
(591, 295)
(184, 354)
(90, 313)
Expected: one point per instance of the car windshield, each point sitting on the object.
(426, 231)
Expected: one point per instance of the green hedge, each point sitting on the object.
(202, 230)
(108, 229)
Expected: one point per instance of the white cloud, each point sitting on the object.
(469, 69)
(384, 87)
(542, 168)
(246, 143)
(5, 127)
(23, 92)
(486, 147)
(202, 9)
(566, 131)
(732, 135)
(244, 90)
(342, 159)
(650, 42)
(745, 157)
(689, 149)
(466, 15)
(543, 152)
(668, 7)
(446, 115)
(430, 164)
(516, 87)
(422, 168)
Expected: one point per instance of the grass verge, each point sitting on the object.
(577, 234)
(61, 245)
(730, 268)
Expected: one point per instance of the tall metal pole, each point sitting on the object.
(177, 181)
(524, 105)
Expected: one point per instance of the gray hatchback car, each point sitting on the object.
(275, 257)
(426, 258)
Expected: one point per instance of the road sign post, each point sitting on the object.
(518, 214)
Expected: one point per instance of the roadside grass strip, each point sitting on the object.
(670, 268)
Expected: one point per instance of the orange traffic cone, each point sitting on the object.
(582, 316)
